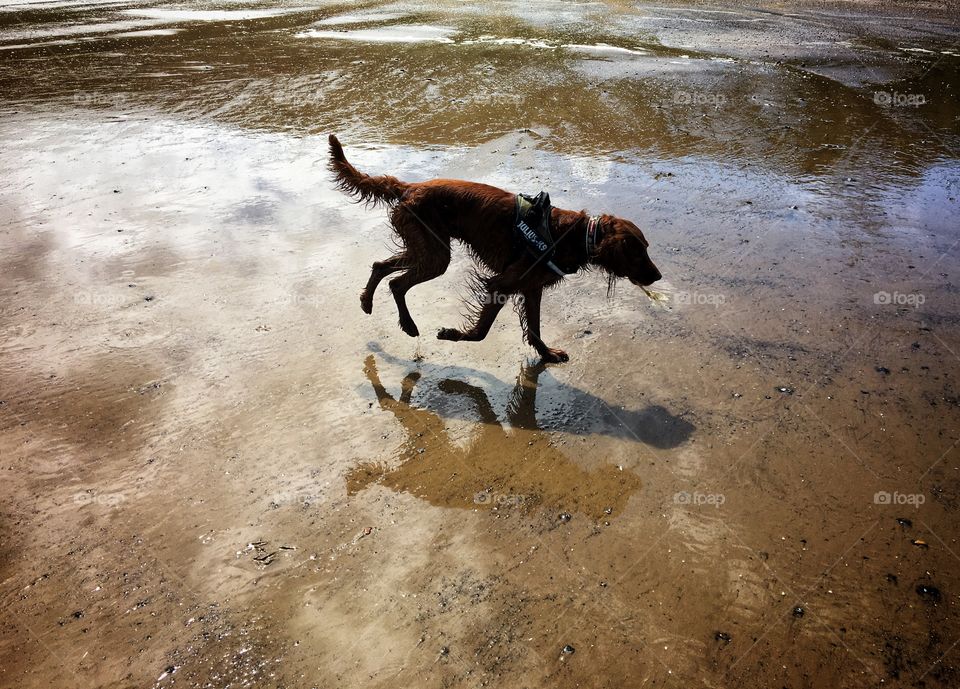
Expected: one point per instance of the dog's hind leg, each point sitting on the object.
(530, 320)
(381, 269)
(427, 268)
(426, 256)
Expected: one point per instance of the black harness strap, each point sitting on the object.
(532, 226)
(532, 223)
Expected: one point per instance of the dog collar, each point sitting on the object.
(593, 235)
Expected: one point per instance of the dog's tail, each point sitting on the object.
(372, 190)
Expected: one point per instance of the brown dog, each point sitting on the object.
(427, 215)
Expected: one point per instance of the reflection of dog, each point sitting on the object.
(486, 473)
(427, 215)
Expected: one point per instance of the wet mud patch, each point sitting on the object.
(122, 597)
(85, 412)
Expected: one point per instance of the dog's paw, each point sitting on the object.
(555, 356)
(448, 334)
(410, 328)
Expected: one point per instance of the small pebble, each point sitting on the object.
(568, 650)
(798, 611)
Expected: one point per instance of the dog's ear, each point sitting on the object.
(613, 244)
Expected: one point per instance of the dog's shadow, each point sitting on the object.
(563, 408)
(491, 466)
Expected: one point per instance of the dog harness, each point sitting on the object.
(532, 225)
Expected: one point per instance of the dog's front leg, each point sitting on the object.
(479, 330)
(492, 293)
(530, 319)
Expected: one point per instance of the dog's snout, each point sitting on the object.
(654, 275)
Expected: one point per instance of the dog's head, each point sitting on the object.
(622, 252)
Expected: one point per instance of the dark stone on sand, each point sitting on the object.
(723, 636)
(568, 650)
(892, 578)
(565, 517)
(883, 369)
(799, 611)
(928, 593)
(904, 522)
(785, 390)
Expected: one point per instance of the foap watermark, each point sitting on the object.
(488, 497)
(298, 92)
(699, 499)
(94, 497)
(500, 298)
(714, 299)
(98, 298)
(704, 98)
(883, 497)
(893, 99)
(305, 497)
(99, 99)
(301, 299)
(915, 299)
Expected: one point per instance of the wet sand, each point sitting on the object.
(218, 472)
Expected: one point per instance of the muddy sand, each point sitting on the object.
(218, 472)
